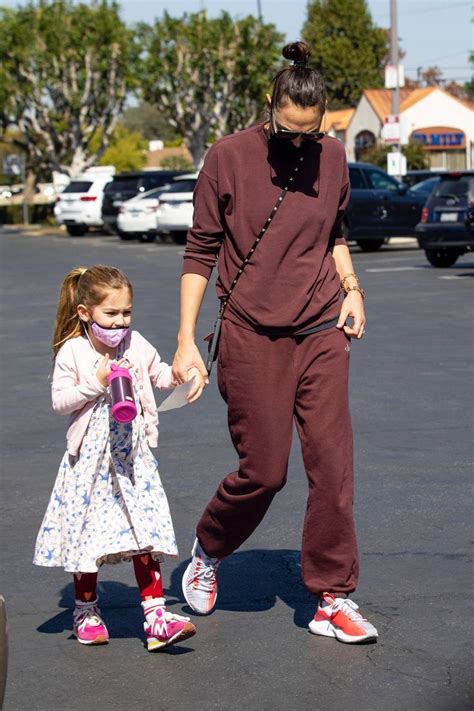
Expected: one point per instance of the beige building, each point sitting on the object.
(442, 123)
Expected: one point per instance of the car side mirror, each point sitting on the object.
(402, 188)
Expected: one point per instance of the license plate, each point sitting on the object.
(117, 203)
(448, 217)
(135, 213)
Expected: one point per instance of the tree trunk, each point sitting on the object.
(197, 144)
(29, 187)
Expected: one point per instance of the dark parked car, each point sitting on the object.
(126, 186)
(380, 207)
(445, 230)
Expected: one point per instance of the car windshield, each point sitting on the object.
(426, 186)
(125, 185)
(456, 186)
(182, 186)
(152, 194)
(78, 186)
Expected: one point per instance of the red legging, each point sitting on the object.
(147, 573)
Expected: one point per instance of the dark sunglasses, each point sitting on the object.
(283, 134)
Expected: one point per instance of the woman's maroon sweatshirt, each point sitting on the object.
(291, 284)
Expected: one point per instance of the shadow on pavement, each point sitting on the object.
(253, 581)
(249, 581)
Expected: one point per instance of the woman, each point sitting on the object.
(285, 338)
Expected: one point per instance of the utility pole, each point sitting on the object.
(259, 11)
(396, 147)
(394, 56)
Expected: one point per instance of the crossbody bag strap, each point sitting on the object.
(264, 229)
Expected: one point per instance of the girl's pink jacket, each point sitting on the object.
(75, 387)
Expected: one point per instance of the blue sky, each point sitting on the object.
(431, 31)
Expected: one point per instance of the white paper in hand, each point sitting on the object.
(178, 397)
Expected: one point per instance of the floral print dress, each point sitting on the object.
(108, 503)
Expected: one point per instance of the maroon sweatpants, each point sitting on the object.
(267, 384)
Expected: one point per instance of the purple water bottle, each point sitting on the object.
(121, 389)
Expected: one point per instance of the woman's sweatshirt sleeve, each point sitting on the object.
(68, 394)
(205, 236)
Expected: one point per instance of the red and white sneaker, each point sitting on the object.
(339, 617)
(88, 625)
(200, 582)
(164, 628)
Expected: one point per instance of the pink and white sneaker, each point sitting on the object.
(164, 628)
(200, 581)
(340, 617)
(88, 625)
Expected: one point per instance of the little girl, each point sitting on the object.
(108, 503)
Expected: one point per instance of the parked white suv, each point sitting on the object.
(168, 209)
(79, 206)
(175, 210)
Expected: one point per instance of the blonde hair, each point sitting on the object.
(86, 286)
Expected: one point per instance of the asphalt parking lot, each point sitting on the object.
(411, 393)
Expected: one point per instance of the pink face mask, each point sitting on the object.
(109, 336)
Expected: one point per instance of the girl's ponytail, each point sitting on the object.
(67, 324)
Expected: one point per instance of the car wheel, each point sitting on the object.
(127, 236)
(146, 237)
(370, 245)
(179, 237)
(76, 230)
(442, 257)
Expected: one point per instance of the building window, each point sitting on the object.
(447, 160)
(363, 141)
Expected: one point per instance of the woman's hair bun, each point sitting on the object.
(298, 52)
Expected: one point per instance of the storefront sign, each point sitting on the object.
(440, 138)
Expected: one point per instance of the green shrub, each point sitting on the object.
(38, 214)
(415, 154)
(177, 163)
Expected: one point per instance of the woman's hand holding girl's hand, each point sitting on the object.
(198, 386)
(186, 358)
(352, 307)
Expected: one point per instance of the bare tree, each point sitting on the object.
(208, 77)
(63, 81)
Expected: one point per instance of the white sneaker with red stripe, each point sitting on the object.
(200, 582)
(340, 617)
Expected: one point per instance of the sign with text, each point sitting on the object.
(391, 129)
(391, 76)
(396, 163)
(440, 138)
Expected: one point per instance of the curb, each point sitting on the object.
(35, 230)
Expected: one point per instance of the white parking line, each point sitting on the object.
(388, 258)
(393, 269)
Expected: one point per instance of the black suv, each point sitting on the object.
(125, 186)
(445, 230)
(380, 207)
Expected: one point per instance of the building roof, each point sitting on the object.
(154, 158)
(381, 99)
(338, 120)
